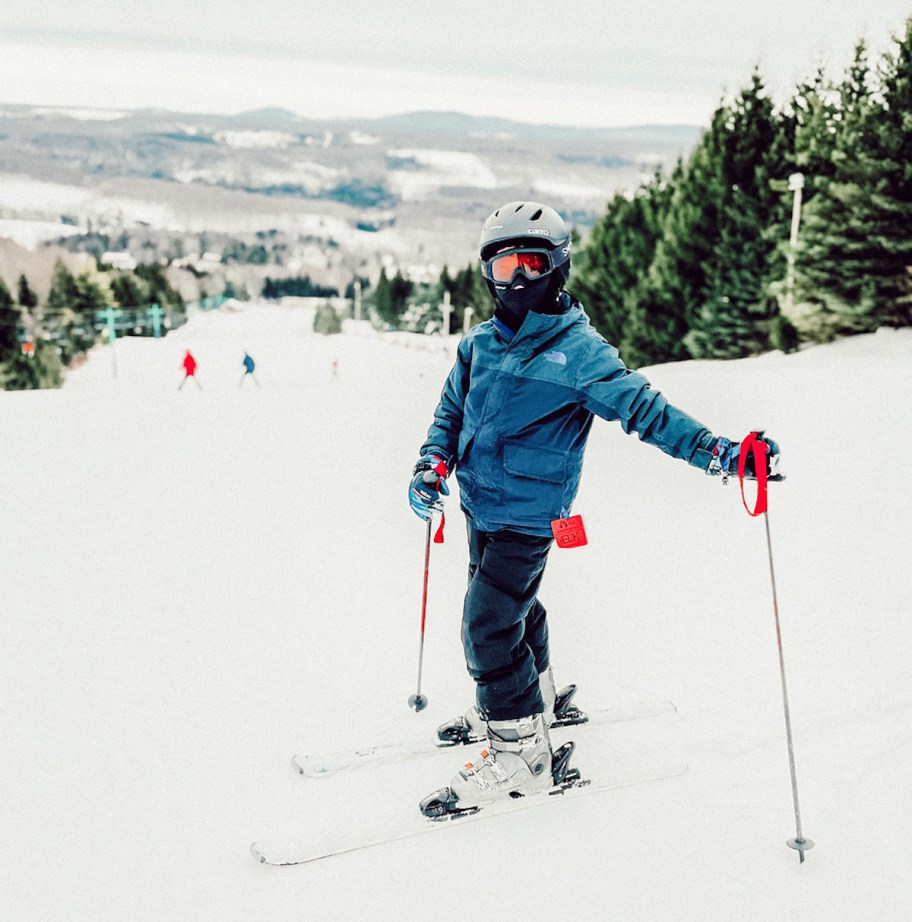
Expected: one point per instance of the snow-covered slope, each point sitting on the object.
(197, 584)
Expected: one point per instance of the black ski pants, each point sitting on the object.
(504, 626)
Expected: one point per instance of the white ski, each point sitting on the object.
(315, 844)
(321, 766)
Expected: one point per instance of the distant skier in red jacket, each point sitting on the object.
(189, 364)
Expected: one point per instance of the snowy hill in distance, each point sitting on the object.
(199, 584)
(427, 178)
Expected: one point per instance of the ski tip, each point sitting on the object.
(312, 768)
(255, 851)
(303, 766)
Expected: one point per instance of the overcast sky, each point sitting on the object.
(580, 62)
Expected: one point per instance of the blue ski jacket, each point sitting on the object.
(515, 414)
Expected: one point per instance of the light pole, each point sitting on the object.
(795, 185)
(356, 291)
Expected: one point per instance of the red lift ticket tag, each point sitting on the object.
(569, 532)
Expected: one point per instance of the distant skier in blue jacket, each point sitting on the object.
(249, 366)
(512, 422)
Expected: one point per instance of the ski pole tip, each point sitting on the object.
(418, 702)
(801, 845)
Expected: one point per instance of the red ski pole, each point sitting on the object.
(419, 702)
(759, 449)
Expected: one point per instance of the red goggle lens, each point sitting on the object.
(505, 265)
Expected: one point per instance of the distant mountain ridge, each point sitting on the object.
(460, 123)
(419, 121)
(417, 183)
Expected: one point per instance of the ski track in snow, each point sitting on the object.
(196, 585)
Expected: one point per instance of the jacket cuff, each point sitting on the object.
(704, 451)
(429, 460)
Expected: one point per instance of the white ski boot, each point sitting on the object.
(470, 727)
(517, 762)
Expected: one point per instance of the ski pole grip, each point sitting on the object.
(759, 448)
(436, 475)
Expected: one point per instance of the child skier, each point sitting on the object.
(513, 420)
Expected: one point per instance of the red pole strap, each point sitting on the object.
(753, 443)
(441, 471)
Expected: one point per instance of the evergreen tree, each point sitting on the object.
(128, 291)
(672, 292)
(400, 291)
(72, 305)
(327, 320)
(26, 297)
(160, 291)
(481, 298)
(735, 315)
(447, 284)
(736, 309)
(892, 194)
(617, 255)
(814, 115)
(830, 280)
(59, 312)
(91, 298)
(852, 262)
(296, 286)
(391, 297)
(706, 290)
(63, 290)
(42, 369)
(470, 291)
(18, 371)
(9, 324)
(382, 299)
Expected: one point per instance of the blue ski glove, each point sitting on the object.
(726, 455)
(428, 486)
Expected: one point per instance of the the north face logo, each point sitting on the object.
(557, 357)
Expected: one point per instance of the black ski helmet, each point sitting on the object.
(527, 224)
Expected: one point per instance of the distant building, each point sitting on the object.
(204, 262)
(119, 260)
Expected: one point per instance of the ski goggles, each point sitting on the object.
(502, 268)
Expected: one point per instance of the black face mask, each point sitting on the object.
(522, 296)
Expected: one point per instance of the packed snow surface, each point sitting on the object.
(199, 584)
